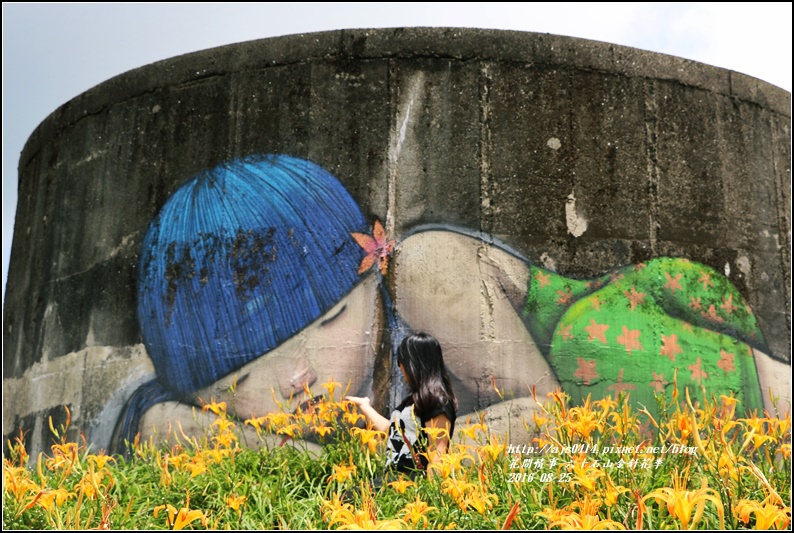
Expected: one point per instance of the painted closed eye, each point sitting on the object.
(334, 316)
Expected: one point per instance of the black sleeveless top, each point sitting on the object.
(407, 438)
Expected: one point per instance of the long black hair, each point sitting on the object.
(431, 389)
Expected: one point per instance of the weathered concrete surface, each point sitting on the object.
(582, 154)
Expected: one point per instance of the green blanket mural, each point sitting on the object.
(640, 327)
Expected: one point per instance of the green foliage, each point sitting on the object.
(726, 472)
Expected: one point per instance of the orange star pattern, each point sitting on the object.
(635, 298)
(705, 279)
(630, 339)
(565, 296)
(712, 315)
(543, 279)
(672, 283)
(640, 266)
(726, 362)
(697, 372)
(670, 347)
(658, 383)
(594, 284)
(727, 304)
(596, 331)
(694, 303)
(565, 332)
(586, 371)
(620, 386)
(686, 326)
(596, 302)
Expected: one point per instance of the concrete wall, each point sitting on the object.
(582, 156)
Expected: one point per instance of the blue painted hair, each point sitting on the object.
(240, 259)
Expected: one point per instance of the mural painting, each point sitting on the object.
(262, 279)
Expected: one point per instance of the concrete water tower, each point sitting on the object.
(577, 156)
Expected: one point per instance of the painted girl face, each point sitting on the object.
(339, 346)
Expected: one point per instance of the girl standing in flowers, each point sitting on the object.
(420, 427)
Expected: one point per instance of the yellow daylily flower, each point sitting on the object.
(606, 404)
(583, 420)
(492, 450)
(401, 485)
(225, 440)
(767, 514)
(342, 473)
(480, 501)
(540, 421)
(291, 430)
(681, 502)
(91, 482)
(437, 433)
(100, 460)
(235, 502)
(255, 422)
(352, 418)
(579, 522)
(471, 430)
(63, 457)
(369, 437)
(53, 497)
(456, 488)
(322, 430)
(586, 519)
(415, 512)
(331, 386)
(275, 421)
(553, 515)
(219, 408)
(612, 492)
(177, 520)
(196, 467)
(584, 475)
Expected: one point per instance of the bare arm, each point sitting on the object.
(379, 422)
(438, 436)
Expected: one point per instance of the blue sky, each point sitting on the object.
(54, 52)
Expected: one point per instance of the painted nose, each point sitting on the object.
(294, 380)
